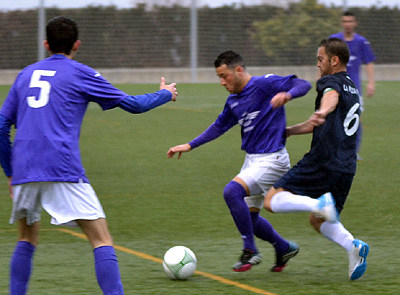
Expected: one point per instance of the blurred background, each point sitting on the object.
(189, 34)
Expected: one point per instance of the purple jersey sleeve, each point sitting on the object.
(368, 55)
(291, 84)
(5, 145)
(96, 88)
(9, 108)
(300, 88)
(142, 103)
(224, 122)
(210, 134)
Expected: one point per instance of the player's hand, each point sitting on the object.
(170, 87)
(10, 188)
(317, 118)
(280, 99)
(183, 148)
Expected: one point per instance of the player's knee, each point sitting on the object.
(234, 190)
(96, 231)
(267, 199)
(267, 205)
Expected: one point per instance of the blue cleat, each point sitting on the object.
(326, 208)
(358, 259)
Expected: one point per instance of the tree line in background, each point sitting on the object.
(264, 35)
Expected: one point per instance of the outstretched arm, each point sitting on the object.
(210, 134)
(301, 128)
(224, 122)
(142, 103)
(328, 104)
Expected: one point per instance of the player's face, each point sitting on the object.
(230, 78)
(324, 62)
(349, 24)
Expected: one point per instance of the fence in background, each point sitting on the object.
(140, 40)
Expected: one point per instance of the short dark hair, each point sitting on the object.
(349, 13)
(230, 59)
(336, 47)
(61, 34)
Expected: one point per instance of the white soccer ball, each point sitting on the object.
(179, 263)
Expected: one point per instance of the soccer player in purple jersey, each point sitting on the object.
(256, 103)
(320, 182)
(360, 53)
(46, 104)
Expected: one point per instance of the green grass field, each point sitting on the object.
(153, 203)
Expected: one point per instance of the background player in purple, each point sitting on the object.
(256, 103)
(360, 53)
(320, 182)
(46, 104)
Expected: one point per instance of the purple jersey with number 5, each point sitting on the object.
(47, 103)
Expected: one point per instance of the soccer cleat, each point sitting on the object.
(326, 208)
(282, 259)
(247, 260)
(358, 259)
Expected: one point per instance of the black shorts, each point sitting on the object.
(315, 181)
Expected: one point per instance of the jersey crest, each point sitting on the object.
(247, 120)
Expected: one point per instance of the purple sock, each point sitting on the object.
(234, 194)
(264, 231)
(21, 267)
(107, 270)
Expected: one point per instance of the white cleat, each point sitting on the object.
(326, 208)
(358, 259)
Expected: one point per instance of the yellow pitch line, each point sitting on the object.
(155, 259)
(233, 283)
(72, 233)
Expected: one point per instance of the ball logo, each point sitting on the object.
(179, 263)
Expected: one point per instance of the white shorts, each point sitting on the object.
(260, 172)
(64, 201)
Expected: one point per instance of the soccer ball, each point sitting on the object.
(179, 263)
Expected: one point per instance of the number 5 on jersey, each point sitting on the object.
(44, 86)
